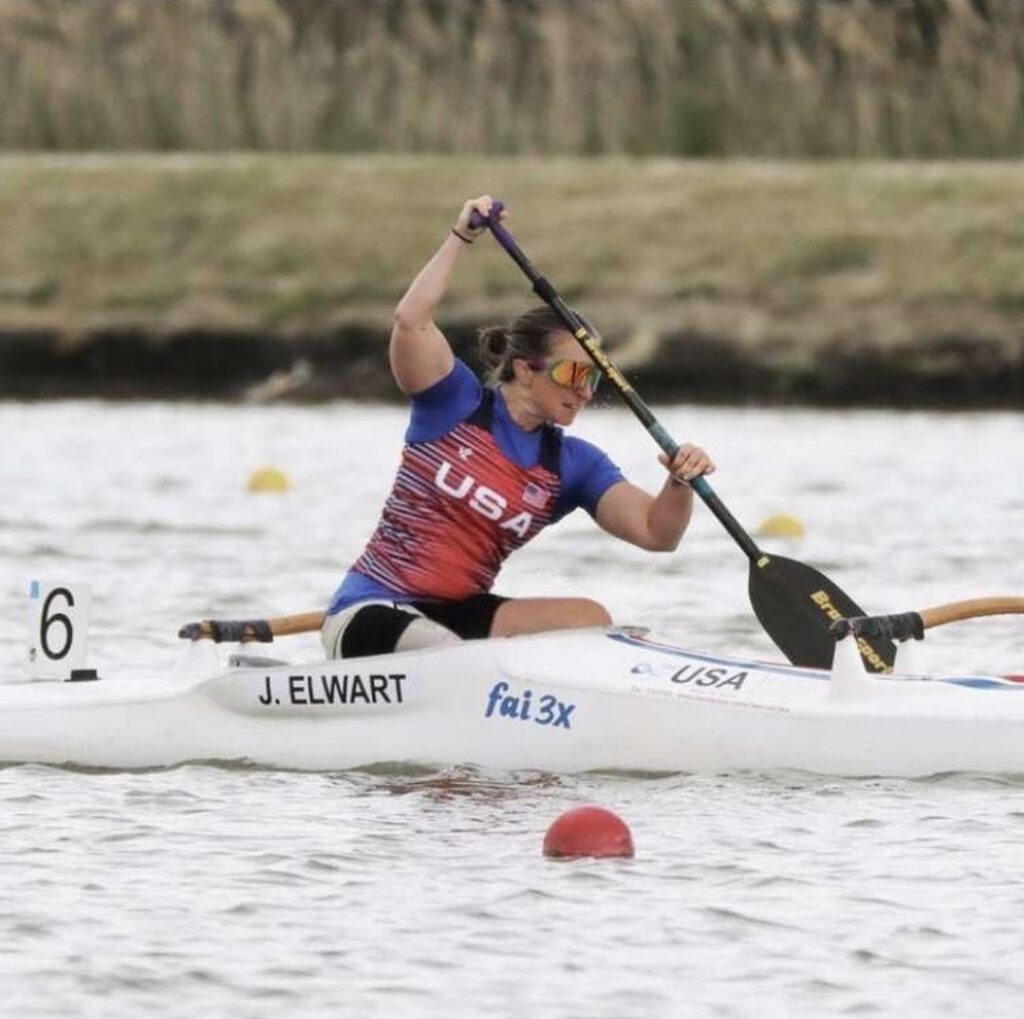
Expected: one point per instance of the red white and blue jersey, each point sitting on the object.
(472, 487)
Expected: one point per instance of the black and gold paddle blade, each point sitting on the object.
(796, 604)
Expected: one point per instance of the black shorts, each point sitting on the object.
(471, 618)
(376, 628)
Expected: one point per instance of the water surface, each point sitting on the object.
(215, 891)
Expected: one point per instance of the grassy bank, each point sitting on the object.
(766, 78)
(788, 265)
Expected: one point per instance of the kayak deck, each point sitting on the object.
(570, 701)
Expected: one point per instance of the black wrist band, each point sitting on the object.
(462, 237)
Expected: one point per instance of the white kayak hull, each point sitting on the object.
(564, 702)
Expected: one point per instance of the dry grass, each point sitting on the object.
(785, 257)
(752, 78)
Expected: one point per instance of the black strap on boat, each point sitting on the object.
(229, 631)
(898, 626)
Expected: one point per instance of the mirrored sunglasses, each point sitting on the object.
(571, 374)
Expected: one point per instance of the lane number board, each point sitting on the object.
(58, 628)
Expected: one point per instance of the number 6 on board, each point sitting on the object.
(58, 628)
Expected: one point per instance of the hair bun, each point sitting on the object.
(528, 337)
(493, 345)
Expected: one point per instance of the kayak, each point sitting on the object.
(571, 701)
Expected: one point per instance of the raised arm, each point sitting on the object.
(419, 353)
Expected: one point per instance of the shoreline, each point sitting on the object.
(954, 373)
(833, 283)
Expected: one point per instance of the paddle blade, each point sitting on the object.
(796, 605)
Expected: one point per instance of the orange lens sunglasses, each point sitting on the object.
(570, 374)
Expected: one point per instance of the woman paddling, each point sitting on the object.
(483, 470)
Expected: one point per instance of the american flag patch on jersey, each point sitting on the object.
(534, 495)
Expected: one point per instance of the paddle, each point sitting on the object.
(904, 625)
(793, 601)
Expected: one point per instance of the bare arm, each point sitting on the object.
(656, 523)
(419, 353)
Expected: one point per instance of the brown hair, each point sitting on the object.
(527, 337)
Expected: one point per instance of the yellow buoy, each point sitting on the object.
(268, 479)
(782, 525)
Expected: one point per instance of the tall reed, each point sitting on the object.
(829, 78)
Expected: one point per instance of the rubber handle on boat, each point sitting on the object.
(898, 626)
(242, 631)
(904, 625)
(229, 631)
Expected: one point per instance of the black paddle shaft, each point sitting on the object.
(794, 602)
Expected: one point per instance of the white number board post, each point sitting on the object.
(58, 628)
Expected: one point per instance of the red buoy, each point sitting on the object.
(588, 831)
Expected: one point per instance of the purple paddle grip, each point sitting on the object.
(476, 221)
(501, 235)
